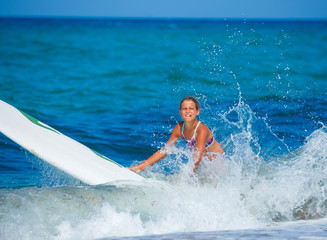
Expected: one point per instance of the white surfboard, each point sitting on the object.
(59, 150)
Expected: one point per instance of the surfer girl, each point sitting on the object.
(196, 134)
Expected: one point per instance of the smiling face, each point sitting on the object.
(188, 110)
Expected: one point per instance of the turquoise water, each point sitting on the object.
(115, 85)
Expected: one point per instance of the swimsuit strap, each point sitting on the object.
(210, 142)
(196, 128)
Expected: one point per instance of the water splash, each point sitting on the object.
(236, 197)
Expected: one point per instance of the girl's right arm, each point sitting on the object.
(151, 160)
(161, 153)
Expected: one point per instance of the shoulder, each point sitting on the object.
(178, 129)
(179, 125)
(203, 129)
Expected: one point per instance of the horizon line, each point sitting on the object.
(304, 19)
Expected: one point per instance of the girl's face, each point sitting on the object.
(188, 110)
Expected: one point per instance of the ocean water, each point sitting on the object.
(115, 86)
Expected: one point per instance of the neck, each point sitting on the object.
(191, 124)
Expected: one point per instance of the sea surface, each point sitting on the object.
(115, 86)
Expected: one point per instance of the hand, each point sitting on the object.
(135, 169)
(195, 168)
(139, 168)
(196, 165)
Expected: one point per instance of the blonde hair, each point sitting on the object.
(190, 98)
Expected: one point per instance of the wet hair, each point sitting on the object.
(190, 98)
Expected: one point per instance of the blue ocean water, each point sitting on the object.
(115, 86)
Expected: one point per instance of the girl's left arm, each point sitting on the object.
(201, 139)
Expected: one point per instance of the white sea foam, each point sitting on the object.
(245, 190)
(237, 197)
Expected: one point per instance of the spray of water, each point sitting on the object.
(244, 190)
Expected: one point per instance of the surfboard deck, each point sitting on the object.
(60, 150)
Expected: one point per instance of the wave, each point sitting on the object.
(245, 192)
